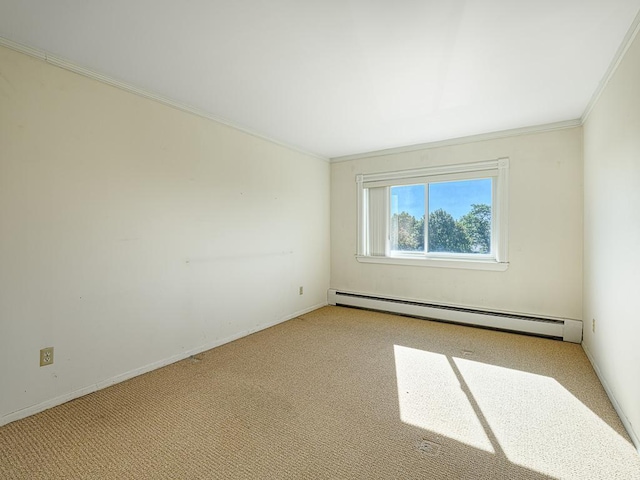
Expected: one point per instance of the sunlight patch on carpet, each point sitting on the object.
(533, 418)
(430, 397)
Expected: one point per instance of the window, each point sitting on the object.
(451, 216)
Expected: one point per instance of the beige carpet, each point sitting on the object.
(341, 393)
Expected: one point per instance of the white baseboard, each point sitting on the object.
(570, 330)
(625, 421)
(54, 402)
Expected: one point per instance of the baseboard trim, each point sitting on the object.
(625, 421)
(54, 402)
(567, 329)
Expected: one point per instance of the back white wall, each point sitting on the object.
(132, 233)
(545, 229)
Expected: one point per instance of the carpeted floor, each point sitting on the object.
(340, 393)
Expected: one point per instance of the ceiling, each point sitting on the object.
(341, 77)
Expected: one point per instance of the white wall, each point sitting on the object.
(132, 233)
(545, 229)
(612, 237)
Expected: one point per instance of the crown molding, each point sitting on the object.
(87, 72)
(613, 66)
(73, 67)
(547, 127)
(18, 47)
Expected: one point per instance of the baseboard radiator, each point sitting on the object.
(565, 329)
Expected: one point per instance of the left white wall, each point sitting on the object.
(133, 234)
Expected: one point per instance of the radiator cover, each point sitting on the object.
(566, 329)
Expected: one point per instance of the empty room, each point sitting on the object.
(320, 240)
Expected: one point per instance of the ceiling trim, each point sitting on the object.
(630, 36)
(613, 66)
(18, 47)
(87, 72)
(547, 127)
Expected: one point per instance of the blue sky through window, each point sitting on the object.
(455, 198)
(409, 198)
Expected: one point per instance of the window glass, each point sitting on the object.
(460, 216)
(406, 228)
(451, 216)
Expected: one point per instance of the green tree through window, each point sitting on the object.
(477, 227)
(446, 235)
(407, 232)
(470, 234)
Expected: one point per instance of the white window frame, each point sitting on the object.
(498, 170)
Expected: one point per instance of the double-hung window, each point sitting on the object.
(446, 216)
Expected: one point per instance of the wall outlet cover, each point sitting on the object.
(46, 356)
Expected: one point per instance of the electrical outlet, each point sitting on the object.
(46, 356)
(301, 291)
(593, 325)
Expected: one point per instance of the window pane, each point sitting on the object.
(460, 216)
(407, 218)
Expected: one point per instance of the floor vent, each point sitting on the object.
(568, 330)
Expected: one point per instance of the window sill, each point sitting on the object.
(437, 262)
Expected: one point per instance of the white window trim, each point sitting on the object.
(498, 261)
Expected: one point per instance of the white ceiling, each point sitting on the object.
(339, 77)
